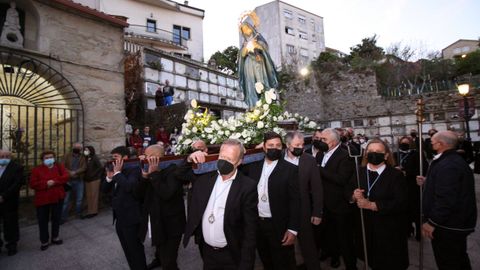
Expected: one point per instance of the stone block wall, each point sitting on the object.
(89, 53)
(351, 99)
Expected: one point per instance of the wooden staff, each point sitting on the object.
(420, 118)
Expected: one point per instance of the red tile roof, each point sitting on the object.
(69, 4)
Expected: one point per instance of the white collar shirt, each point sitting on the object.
(262, 187)
(2, 170)
(437, 156)
(379, 170)
(327, 155)
(212, 220)
(293, 160)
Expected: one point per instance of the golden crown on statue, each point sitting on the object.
(246, 15)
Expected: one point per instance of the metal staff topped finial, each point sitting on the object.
(419, 112)
(356, 156)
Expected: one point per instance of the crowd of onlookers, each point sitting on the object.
(138, 140)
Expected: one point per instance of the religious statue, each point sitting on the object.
(11, 34)
(254, 62)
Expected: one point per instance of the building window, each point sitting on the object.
(151, 26)
(314, 38)
(466, 49)
(290, 49)
(180, 34)
(288, 14)
(301, 19)
(186, 33)
(289, 30)
(312, 23)
(304, 52)
(303, 35)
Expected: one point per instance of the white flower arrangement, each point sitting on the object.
(248, 127)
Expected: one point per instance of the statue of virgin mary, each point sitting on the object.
(254, 63)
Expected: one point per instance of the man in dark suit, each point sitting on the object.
(336, 170)
(449, 203)
(164, 209)
(11, 179)
(318, 147)
(311, 197)
(278, 205)
(223, 212)
(126, 208)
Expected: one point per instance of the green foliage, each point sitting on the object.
(367, 50)
(226, 60)
(470, 64)
(155, 65)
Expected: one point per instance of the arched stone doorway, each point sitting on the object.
(40, 109)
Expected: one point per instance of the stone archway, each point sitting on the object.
(39, 109)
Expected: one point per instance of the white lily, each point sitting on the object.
(270, 96)
(194, 103)
(259, 87)
(260, 124)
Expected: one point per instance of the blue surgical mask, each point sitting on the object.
(49, 162)
(4, 161)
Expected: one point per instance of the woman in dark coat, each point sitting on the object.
(383, 197)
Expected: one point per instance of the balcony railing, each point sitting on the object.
(426, 87)
(158, 36)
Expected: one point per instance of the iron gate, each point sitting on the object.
(40, 109)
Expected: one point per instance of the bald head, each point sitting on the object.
(155, 150)
(444, 140)
(199, 145)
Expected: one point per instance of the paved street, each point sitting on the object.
(92, 244)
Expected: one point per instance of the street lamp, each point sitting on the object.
(463, 89)
(304, 71)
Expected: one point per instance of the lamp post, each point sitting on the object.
(463, 89)
(304, 71)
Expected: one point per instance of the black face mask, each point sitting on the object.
(413, 134)
(224, 167)
(375, 158)
(297, 151)
(343, 139)
(273, 154)
(76, 151)
(320, 145)
(404, 146)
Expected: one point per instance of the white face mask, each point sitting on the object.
(86, 153)
(145, 145)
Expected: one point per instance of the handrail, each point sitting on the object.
(161, 33)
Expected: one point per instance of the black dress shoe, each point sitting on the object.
(335, 262)
(12, 252)
(154, 264)
(57, 242)
(44, 247)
